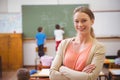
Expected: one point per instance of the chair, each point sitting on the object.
(114, 74)
(45, 62)
(115, 66)
(37, 59)
(102, 75)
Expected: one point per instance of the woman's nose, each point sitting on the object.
(80, 24)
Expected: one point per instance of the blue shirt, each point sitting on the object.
(40, 38)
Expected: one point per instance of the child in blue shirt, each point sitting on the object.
(40, 40)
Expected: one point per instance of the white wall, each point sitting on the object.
(3, 6)
(15, 5)
(112, 46)
(29, 54)
(30, 51)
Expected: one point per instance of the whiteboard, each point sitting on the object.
(10, 23)
(107, 24)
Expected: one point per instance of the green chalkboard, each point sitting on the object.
(47, 16)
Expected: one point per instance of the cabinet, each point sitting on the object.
(11, 51)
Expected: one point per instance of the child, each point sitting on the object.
(117, 60)
(40, 40)
(58, 33)
(23, 74)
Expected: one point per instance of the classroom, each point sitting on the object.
(18, 29)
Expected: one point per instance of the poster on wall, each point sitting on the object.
(10, 23)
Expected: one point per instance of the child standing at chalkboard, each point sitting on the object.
(58, 34)
(40, 40)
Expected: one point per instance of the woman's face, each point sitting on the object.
(82, 23)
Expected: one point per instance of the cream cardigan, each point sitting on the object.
(97, 56)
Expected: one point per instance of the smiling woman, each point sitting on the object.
(80, 57)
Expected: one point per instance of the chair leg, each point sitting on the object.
(106, 78)
(99, 78)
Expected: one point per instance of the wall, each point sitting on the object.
(3, 6)
(14, 6)
(30, 51)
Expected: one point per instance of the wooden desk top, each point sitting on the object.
(115, 72)
(41, 73)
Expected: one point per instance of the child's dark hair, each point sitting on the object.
(39, 29)
(118, 53)
(57, 26)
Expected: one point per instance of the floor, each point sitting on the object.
(11, 75)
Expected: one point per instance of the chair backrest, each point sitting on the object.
(45, 49)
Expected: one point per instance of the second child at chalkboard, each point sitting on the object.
(40, 40)
(58, 34)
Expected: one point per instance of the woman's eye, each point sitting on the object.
(76, 21)
(83, 21)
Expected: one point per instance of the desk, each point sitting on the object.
(44, 73)
(114, 74)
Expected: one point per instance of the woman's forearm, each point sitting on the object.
(72, 74)
(56, 75)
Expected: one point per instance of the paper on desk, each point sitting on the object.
(44, 72)
(116, 72)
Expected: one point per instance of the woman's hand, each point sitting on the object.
(62, 70)
(89, 68)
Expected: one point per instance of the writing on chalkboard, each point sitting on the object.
(106, 23)
(47, 16)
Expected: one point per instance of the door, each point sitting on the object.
(15, 50)
(4, 44)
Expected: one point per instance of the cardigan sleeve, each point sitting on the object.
(97, 59)
(56, 64)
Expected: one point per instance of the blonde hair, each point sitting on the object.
(89, 13)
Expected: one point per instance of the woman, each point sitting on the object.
(80, 57)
